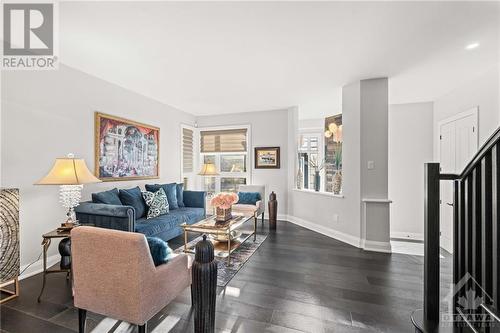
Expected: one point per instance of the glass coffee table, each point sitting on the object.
(225, 236)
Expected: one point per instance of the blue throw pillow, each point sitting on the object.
(107, 197)
(133, 197)
(249, 198)
(180, 195)
(160, 251)
(169, 189)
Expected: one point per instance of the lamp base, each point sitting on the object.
(68, 225)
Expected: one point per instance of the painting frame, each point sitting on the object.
(98, 118)
(258, 151)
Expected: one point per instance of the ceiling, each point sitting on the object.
(226, 57)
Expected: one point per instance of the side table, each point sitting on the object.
(47, 238)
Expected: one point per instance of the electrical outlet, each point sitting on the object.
(371, 165)
(336, 218)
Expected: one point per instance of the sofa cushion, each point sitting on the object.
(248, 198)
(157, 203)
(133, 197)
(180, 195)
(160, 251)
(170, 191)
(110, 197)
(172, 220)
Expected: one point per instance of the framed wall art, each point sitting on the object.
(267, 158)
(125, 149)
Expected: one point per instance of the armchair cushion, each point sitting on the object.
(133, 197)
(170, 191)
(248, 198)
(107, 197)
(160, 251)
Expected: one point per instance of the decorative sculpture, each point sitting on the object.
(204, 287)
(9, 242)
(273, 210)
(65, 252)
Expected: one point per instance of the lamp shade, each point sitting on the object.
(68, 171)
(208, 169)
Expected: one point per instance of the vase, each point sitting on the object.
(222, 214)
(300, 178)
(337, 182)
(317, 181)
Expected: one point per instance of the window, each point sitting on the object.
(309, 155)
(227, 150)
(187, 150)
(320, 149)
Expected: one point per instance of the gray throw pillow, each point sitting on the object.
(157, 203)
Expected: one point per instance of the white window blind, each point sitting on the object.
(223, 141)
(187, 150)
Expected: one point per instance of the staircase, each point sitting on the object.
(475, 297)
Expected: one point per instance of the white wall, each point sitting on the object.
(268, 128)
(483, 92)
(337, 216)
(47, 114)
(410, 146)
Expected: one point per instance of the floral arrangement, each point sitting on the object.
(224, 200)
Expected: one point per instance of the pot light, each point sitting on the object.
(472, 46)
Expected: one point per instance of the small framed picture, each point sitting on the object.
(267, 157)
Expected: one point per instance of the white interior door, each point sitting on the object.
(458, 144)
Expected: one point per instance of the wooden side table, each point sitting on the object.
(47, 238)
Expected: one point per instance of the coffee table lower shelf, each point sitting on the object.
(221, 248)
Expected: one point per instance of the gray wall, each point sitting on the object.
(410, 146)
(47, 114)
(268, 128)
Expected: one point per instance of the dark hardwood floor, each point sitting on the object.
(297, 281)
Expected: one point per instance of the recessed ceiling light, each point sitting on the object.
(472, 46)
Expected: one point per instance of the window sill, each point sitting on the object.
(326, 194)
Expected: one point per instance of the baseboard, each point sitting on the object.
(37, 267)
(375, 246)
(407, 235)
(338, 235)
(282, 217)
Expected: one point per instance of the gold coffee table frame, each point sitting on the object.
(211, 227)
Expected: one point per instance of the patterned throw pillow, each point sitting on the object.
(157, 203)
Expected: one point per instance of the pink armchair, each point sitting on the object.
(114, 275)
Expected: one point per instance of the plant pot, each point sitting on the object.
(337, 182)
(317, 181)
(222, 215)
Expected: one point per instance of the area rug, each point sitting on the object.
(238, 258)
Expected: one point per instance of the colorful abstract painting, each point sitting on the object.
(125, 149)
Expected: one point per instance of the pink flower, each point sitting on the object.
(224, 200)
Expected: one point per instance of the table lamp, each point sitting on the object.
(208, 169)
(70, 173)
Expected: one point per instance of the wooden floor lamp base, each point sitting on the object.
(12, 294)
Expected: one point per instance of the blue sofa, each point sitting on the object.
(124, 218)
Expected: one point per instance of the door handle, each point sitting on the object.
(449, 204)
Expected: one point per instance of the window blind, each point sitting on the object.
(187, 150)
(223, 141)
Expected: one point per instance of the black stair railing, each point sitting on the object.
(476, 259)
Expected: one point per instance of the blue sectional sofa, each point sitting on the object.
(124, 217)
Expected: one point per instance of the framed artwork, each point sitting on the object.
(125, 149)
(267, 158)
